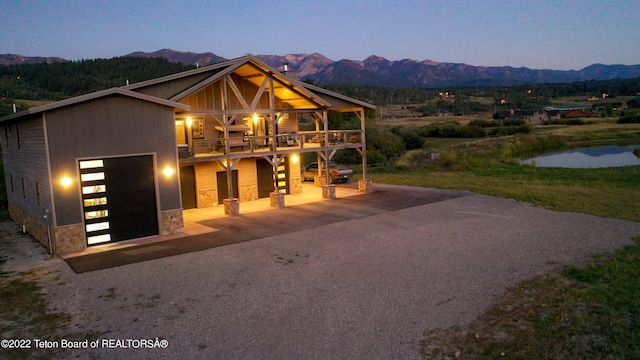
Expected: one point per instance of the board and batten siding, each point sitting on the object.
(25, 159)
(114, 126)
(168, 89)
(210, 97)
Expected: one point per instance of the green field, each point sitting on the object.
(491, 166)
(589, 313)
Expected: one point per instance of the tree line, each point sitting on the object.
(519, 96)
(62, 80)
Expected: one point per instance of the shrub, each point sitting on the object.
(510, 130)
(410, 137)
(451, 130)
(566, 122)
(484, 123)
(629, 119)
(513, 122)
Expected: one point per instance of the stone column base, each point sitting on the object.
(231, 206)
(277, 199)
(319, 181)
(365, 186)
(329, 192)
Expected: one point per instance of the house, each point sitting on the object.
(524, 115)
(575, 113)
(552, 114)
(602, 106)
(124, 163)
(634, 103)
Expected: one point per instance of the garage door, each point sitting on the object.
(119, 198)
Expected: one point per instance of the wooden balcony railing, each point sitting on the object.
(249, 144)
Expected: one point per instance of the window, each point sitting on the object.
(197, 128)
(13, 187)
(18, 136)
(38, 197)
(24, 189)
(6, 136)
(181, 132)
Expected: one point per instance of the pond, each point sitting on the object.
(592, 157)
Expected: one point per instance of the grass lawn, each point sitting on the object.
(590, 313)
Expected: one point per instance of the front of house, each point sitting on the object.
(123, 163)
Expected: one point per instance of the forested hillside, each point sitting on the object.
(59, 80)
(71, 78)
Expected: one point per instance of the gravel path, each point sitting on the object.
(365, 288)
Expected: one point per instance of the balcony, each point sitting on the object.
(251, 146)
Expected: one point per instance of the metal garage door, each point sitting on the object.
(119, 198)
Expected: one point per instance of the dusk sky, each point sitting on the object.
(542, 34)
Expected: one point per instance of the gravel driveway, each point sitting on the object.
(364, 288)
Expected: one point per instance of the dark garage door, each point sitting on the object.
(119, 198)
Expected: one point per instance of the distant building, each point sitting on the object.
(634, 103)
(576, 113)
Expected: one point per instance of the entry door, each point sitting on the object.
(119, 198)
(188, 187)
(223, 191)
(265, 178)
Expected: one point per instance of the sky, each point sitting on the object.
(542, 34)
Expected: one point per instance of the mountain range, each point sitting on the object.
(378, 71)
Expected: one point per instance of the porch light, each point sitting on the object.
(189, 121)
(168, 171)
(255, 119)
(66, 181)
(294, 158)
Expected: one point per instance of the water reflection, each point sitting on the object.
(593, 157)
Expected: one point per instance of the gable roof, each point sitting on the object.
(248, 66)
(319, 90)
(320, 96)
(93, 96)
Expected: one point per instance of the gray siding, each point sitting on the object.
(24, 155)
(110, 127)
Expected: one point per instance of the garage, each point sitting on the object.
(119, 198)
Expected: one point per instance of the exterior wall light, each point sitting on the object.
(255, 119)
(168, 171)
(295, 158)
(66, 181)
(189, 121)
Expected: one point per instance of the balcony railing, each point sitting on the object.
(249, 144)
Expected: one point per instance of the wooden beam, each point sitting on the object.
(236, 91)
(256, 99)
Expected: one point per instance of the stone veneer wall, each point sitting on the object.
(207, 198)
(172, 222)
(295, 186)
(68, 238)
(34, 225)
(248, 192)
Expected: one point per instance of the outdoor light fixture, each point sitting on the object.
(189, 122)
(255, 119)
(294, 158)
(66, 181)
(168, 171)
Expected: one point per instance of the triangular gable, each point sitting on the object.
(256, 71)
